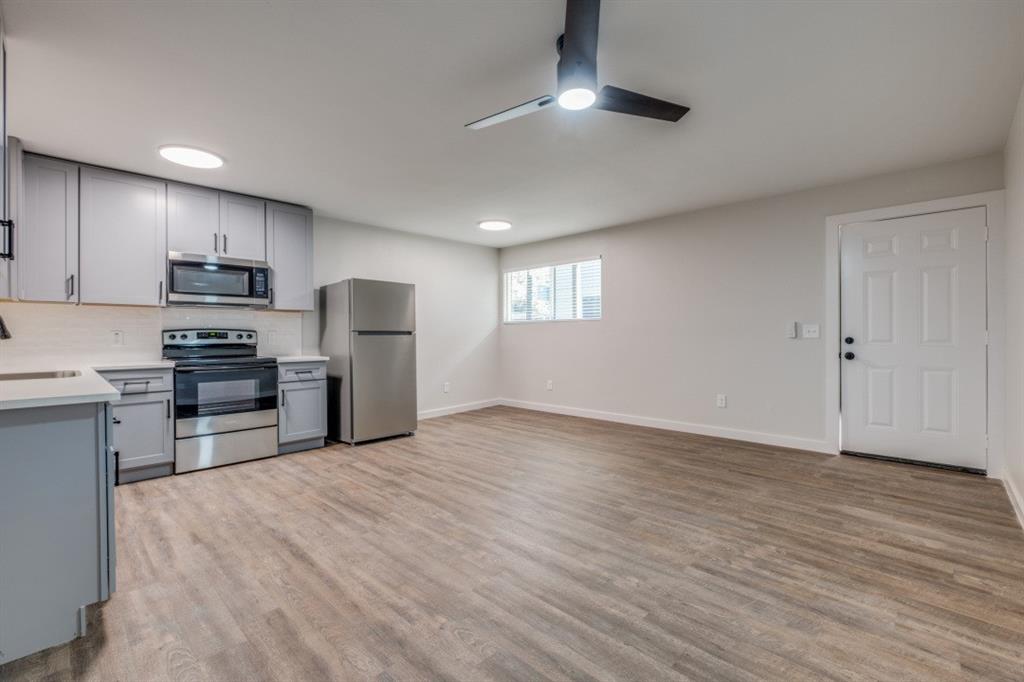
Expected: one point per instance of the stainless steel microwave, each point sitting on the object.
(195, 279)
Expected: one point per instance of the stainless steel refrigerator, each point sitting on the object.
(368, 330)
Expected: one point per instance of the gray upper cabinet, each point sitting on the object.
(193, 219)
(48, 246)
(243, 228)
(290, 252)
(123, 238)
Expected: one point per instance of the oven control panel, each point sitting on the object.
(209, 337)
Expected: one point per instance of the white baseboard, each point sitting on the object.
(687, 427)
(1016, 499)
(455, 409)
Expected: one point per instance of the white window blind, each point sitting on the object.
(568, 291)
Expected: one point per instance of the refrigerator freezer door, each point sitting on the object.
(383, 306)
(383, 385)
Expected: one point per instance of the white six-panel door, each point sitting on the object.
(914, 338)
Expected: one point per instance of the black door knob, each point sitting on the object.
(848, 339)
(848, 355)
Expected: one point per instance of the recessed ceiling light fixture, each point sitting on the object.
(495, 225)
(190, 156)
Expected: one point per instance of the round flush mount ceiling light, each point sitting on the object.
(495, 225)
(576, 98)
(190, 156)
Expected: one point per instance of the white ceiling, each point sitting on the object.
(356, 109)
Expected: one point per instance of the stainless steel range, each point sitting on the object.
(225, 398)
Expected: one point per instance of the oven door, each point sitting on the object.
(220, 398)
(206, 280)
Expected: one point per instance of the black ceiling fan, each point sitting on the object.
(577, 77)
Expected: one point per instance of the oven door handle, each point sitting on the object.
(221, 368)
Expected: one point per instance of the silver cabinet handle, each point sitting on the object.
(225, 249)
(160, 292)
(284, 398)
(215, 242)
(69, 287)
(143, 382)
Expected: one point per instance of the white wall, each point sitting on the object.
(1015, 309)
(696, 304)
(456, 303)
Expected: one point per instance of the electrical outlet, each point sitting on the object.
(811, 330)
(721, 400)
(117, 337)
(446, 386)
(550, 385)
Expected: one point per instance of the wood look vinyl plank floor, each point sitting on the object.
(505, 544)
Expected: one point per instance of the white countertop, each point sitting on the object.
(133, 364)
(88, 387)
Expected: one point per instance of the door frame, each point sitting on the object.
(994, 204)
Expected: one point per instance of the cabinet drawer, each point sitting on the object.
(301, 371)
(131, 381)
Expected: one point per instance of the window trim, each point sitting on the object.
(552, 264)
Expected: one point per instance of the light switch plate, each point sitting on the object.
(811, 330)
(791, 330)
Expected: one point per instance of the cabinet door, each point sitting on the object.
(243, 228)
(48, 248)
(290, 252)
(143, 433)
(303, 411)
(123, 238)
(193, 219)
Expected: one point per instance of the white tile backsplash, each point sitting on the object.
(86, 332)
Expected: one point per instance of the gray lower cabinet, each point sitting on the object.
(144, 436)
(302, 408)
(143, 423)
(57, 549)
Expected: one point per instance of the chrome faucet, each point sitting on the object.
(5, 333)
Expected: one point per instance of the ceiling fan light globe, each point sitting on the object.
(575, 99)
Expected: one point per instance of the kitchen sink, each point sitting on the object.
(24, 376)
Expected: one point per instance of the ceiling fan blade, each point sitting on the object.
(577, 65)
(622, 101)
(515, 112)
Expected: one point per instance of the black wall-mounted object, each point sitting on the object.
(8, 241)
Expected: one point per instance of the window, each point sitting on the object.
(569, 291)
